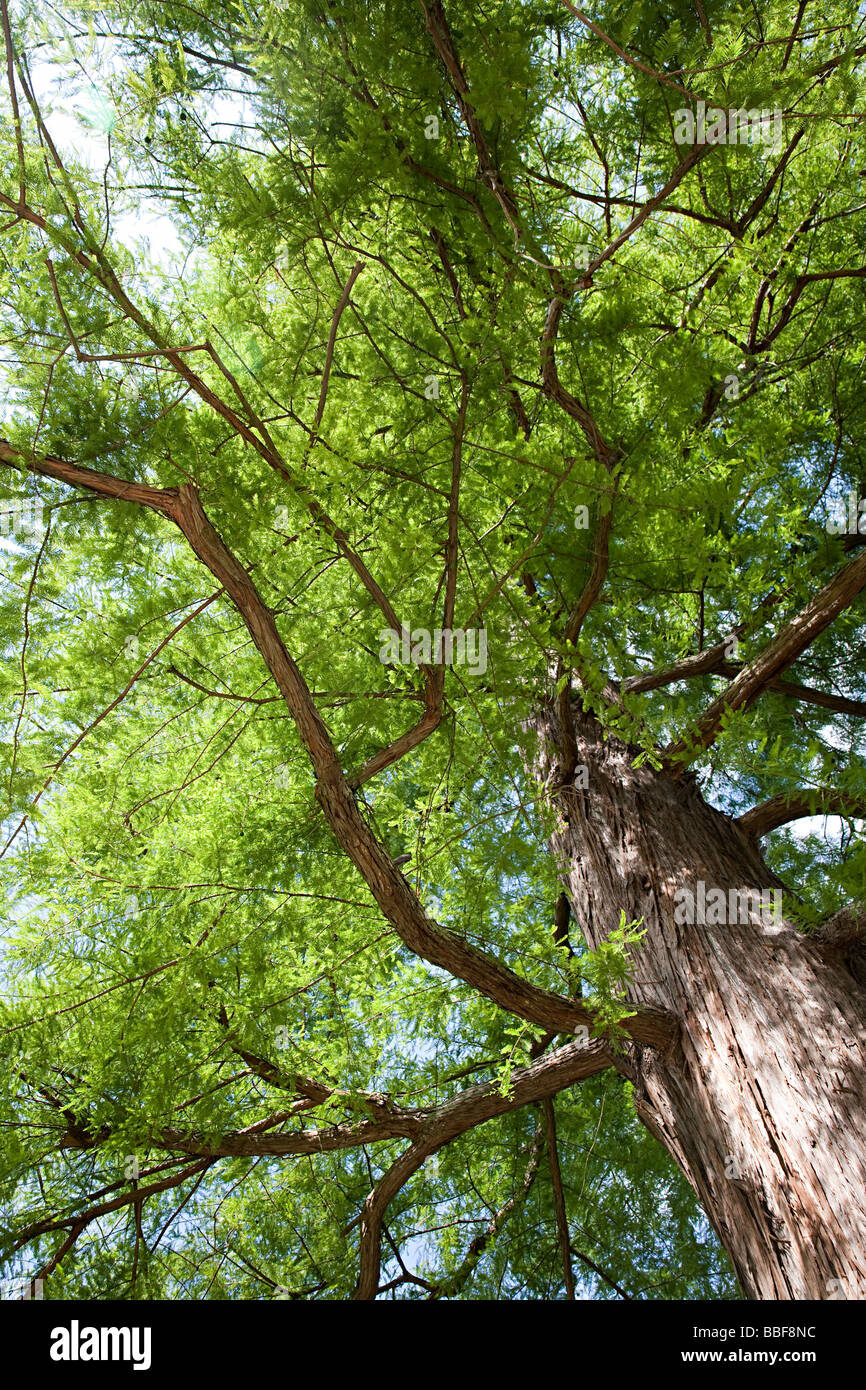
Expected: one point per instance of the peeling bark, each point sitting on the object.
(762, 1104)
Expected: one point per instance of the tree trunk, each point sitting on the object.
(762, 1101)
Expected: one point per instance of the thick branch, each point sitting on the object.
(788, 806)
(313, 1092)
(704, 663)
(389, 888)
(781, 652)
(840, 704)
(430, 720)
(711, 662)
(541, 1079)
(158, 499)
(845, 929)
(394, 1123)
(598, 574)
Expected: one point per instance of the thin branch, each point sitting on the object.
(549, 1114)
(793, 37)
(603, 451)
(799, 285)
(13, 98)
(103, 714)
(621, 53)
(329, 353)
(39, 1228)
(437, 26)
(451, 549)
(447, 1288)
(597, 1269)
(705, 26)
(97, 265)
(698, 153)
(435, 678)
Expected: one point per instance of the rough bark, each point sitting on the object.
(762, 1103)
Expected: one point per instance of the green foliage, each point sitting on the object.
(608, 970)
(174, 902)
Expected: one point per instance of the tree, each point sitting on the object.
(433, 589)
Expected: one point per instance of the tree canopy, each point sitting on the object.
(331, 320)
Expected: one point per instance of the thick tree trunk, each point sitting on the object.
(762, 1102)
